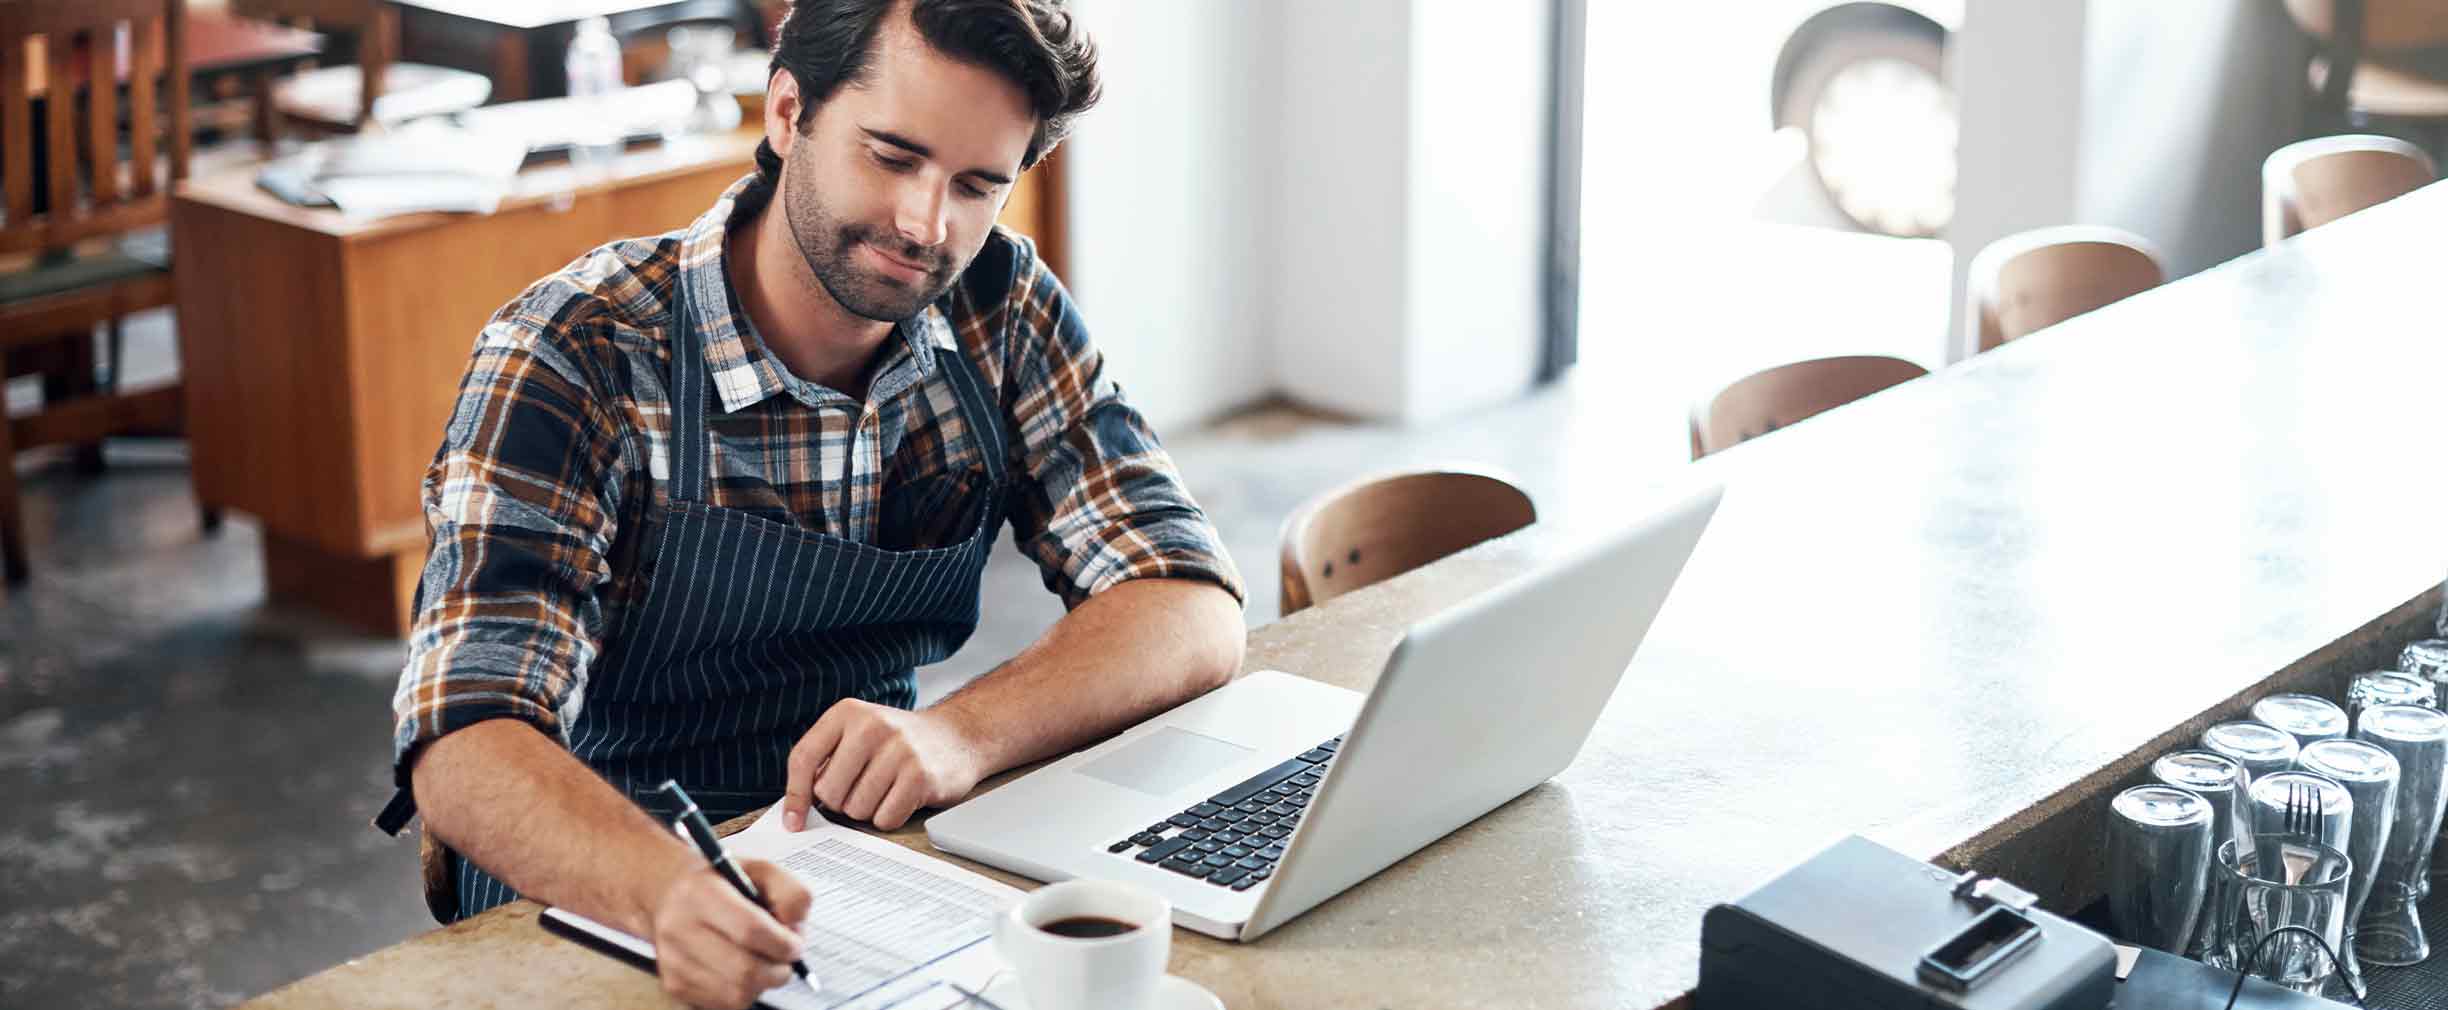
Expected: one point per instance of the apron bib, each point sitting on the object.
(751, 628)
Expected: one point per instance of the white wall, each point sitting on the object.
(2207, 88)
(1475, 262)
(1340, 228)
(1339, 201)
(2017, 68)
(1171, 177)
(2152, 117)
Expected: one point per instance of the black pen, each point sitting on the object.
(693, 821)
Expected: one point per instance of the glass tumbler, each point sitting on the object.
(2370, 775)
(2387, 687)
(2158, 865)
(2306, 717)
(2389, 932)
(2325, 819)
(2300, 884)
(2261, 748)
(2218, 779)
(2428, 659)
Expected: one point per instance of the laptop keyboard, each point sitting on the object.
(1235, 837)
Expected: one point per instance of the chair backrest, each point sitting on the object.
(374, 23)
(2387, 24)
(71, 51)
(1773, 398)
(2310, 183)
(2045, 276)
(1384, 526)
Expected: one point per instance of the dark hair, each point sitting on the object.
(1035, 44)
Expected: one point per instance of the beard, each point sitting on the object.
(830, 245)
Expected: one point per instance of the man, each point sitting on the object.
(708, 498)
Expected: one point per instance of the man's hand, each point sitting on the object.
(716, 949)
(878, 764)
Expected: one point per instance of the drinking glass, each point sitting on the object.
(2389, 932)
(2388, 687)
(2300, 884)
(2220, 780)
(2306, 717)
(2158, 865)
(2370, 776)
(2261, 748)
(2428, 659)
(2328, 819)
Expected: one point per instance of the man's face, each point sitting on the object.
(895, 184)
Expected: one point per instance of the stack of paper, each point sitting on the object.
(889, 928)
(551, 124)
(423, 166)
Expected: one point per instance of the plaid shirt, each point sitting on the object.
(557, 456)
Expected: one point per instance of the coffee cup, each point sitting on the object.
(1087, 945)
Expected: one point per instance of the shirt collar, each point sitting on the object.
(745, 372)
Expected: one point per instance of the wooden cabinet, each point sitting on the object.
(322, 356)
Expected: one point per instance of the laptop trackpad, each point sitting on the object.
(1162, 762)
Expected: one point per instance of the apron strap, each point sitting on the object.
(979, 409)
(688, 393)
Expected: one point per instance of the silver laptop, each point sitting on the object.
(1254, 802)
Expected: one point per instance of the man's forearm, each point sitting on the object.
(503, 794)
(1129, 652)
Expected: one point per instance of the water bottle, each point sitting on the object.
(594, 70)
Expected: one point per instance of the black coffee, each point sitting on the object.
(1088, 927)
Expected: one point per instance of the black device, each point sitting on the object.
(1864, 927)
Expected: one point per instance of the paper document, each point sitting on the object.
(888, 927)
(545, 124)
(418, 167)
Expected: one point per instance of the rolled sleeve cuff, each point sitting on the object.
(410, 736)
(1179, 549)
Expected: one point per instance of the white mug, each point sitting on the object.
(1118, 972)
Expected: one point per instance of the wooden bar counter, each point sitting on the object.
(322, 355)
(1952, 617)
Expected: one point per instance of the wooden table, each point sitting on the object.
(1954, 617)
(322, 355)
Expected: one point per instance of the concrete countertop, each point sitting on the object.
(1952, 617)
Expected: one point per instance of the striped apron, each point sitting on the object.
(751, 628)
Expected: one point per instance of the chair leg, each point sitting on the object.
(71, 375)
(13, 566)
(118, 354)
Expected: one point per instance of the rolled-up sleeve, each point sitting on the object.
(520, 504)
(1099, 501)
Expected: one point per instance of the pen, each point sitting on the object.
(693, 822)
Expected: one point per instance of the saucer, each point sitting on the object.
(1173, 992)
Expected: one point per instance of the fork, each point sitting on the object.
(2302, 817)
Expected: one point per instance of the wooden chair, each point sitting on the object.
(379, 91)
(1381, 527)
(2045, 276)
(2310, 183)
(1779, 397)
(91, 254)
